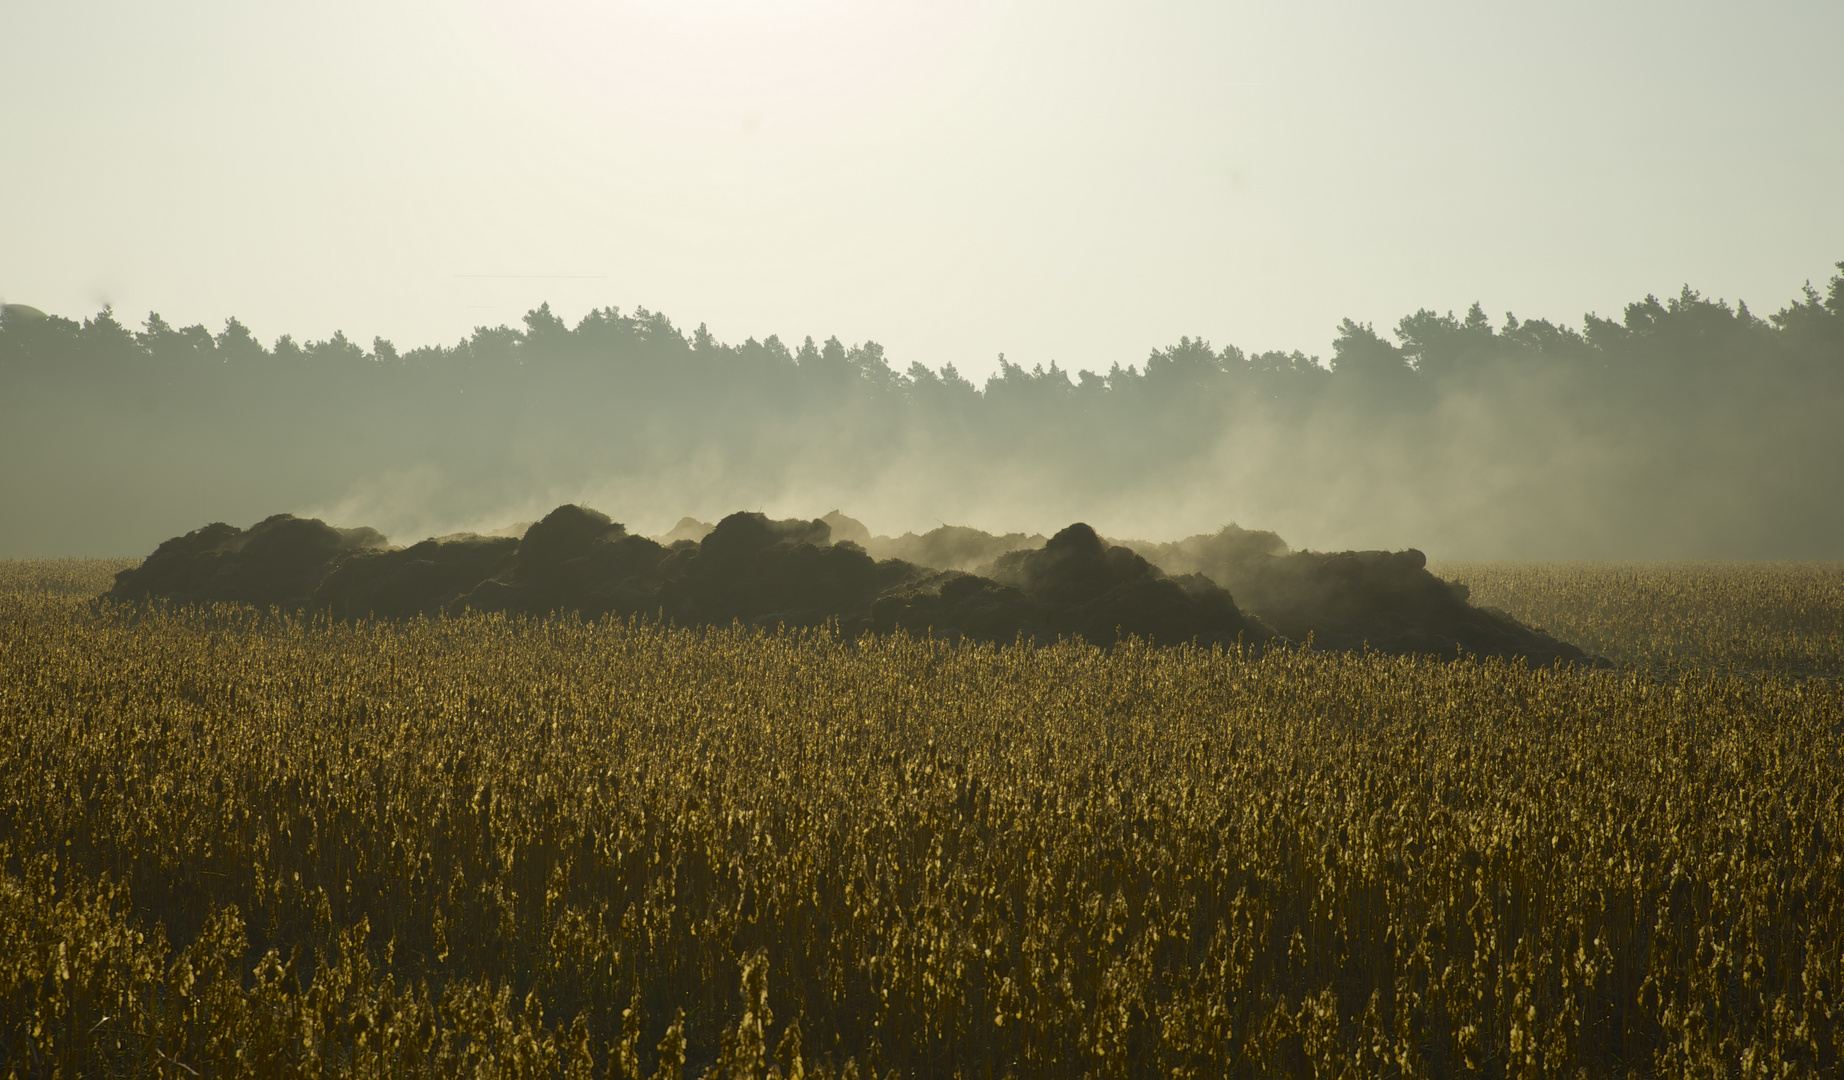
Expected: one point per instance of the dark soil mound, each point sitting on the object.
(1383, 600)
(280, 560)
(429, 578)
(757, 570)
(1074, 585)
(950, 547)
(848, 528)
(688, 528)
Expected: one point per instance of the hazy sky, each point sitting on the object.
(1067, 181)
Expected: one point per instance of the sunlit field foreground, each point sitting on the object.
(235, 843)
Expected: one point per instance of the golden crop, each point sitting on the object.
(1786, 618)
(63, 577)
(237, 843)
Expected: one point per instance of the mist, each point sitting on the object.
(1684, 428)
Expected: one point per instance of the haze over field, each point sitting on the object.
(945, 262)
(1686, 429)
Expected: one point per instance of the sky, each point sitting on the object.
(1072, 182)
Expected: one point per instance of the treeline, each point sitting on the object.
(1687, 427)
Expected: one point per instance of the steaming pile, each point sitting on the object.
(759, 571)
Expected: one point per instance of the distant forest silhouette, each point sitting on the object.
(1688, 427)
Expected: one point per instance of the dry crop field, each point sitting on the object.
(238, 843)
(1784, 618)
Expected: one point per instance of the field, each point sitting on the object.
(238, 843)
(1778, 618)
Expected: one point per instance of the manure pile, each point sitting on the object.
(1235, 586)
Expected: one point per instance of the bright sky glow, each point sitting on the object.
(709, 68)
(1070, 181)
